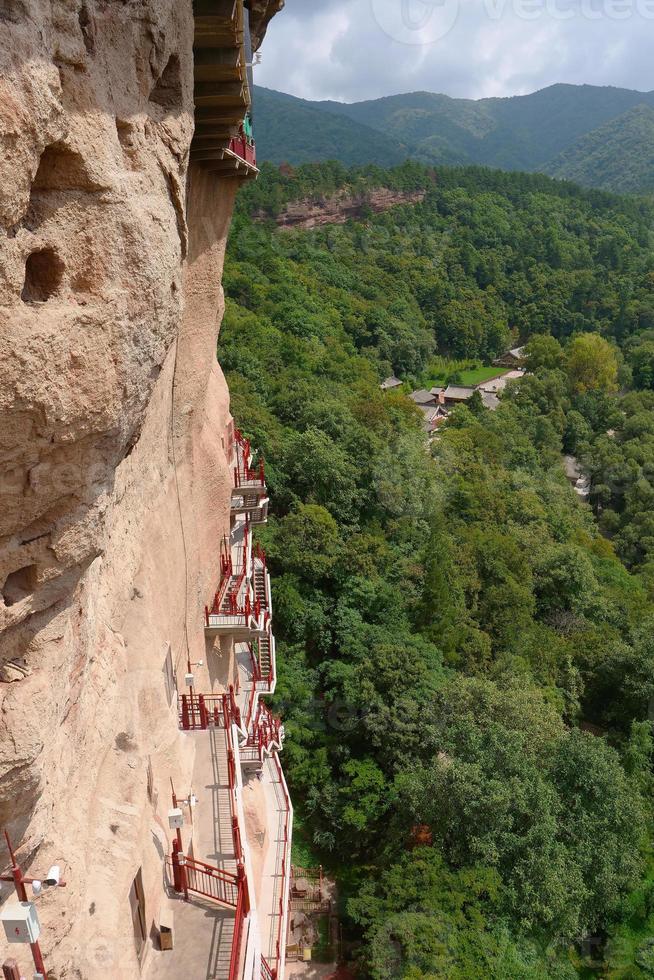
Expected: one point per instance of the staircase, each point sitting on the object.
(260, 590)
(265, 657)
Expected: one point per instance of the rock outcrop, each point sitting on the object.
(115, 440)
(339, 208)
(261, 13)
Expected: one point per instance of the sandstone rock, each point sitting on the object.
(339, 208)
(114, 446)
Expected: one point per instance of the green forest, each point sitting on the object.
(465, 648)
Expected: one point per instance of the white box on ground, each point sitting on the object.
(21, 922)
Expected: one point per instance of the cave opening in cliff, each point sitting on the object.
(60, 169)
(167, 92)
(19, 585)
(43, 274)
(86, 28)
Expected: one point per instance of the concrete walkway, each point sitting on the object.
(203, 931)
(272, 878)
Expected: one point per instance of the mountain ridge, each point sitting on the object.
(524, 132)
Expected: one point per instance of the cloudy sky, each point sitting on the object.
(361, 49)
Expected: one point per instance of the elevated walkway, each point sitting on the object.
(237, 740)
(273, 898)
(222, 53)
(203, 929)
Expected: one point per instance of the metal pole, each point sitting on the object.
(21, 891)
(11, 970)
(179, 831)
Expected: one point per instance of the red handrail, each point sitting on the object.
(196, 711)
(238, 931)
(243, 473)
(267, 972)
(211, 882)
(232, 714)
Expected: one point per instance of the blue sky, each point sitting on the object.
(361, 49)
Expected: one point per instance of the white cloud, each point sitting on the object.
(360, 49)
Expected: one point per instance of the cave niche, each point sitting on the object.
(43, 274)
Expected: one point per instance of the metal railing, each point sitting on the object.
(197, 712)
(244, 474)
(267, 972)
(244, 148)
(204, 879)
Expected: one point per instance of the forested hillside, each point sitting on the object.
(619, 154)
(529, 132)
(294, 130)
(466, 656)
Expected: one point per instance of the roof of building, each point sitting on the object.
(458, 393)
(422, 397)
(434, 412)
(489, 400)
(515, 354)
(437, 391)
(391, 382)
(433, 417)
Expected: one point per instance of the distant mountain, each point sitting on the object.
(296, 131)
(618, 155)
(528, 132)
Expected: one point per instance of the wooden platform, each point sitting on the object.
(222, 93)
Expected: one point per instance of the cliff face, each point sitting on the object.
(261, 12)
(115, 438)
(339, 208)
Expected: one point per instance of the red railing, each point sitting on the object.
(267, 972)
(242, 911)
(232, 715)
(204, 879)
(244, 149)
(230, 587)
(260, 681)
(243, 473)
(266, 731)
(197, 712)
(236, 591)
(220, 886)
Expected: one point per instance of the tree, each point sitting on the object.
(565, 582)
(642, 362)
(592, 364)
(306, 542)
(544, 352)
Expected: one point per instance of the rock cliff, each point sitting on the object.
(115, 439)
(339, 208)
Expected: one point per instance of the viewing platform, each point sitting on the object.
(246, 477)
(242, 606)
(251, 504)
(249, 493)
